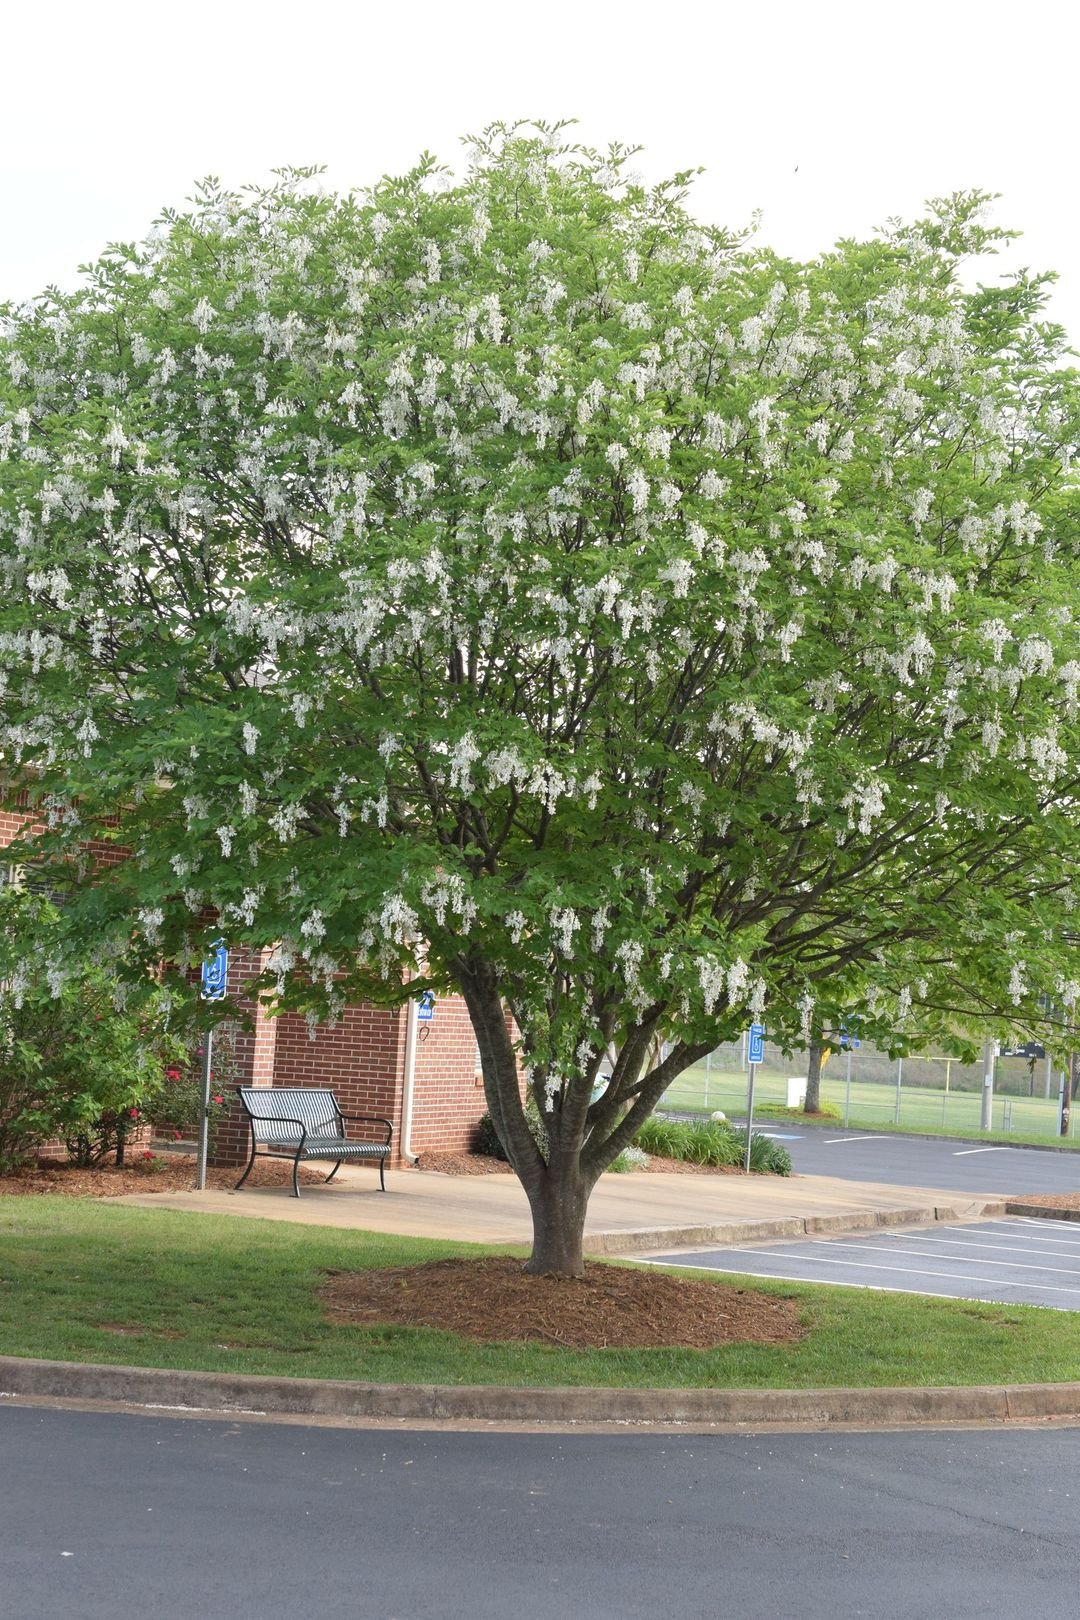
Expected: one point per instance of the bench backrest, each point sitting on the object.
(275, 1106)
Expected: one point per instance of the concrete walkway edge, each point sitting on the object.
(165, 1389)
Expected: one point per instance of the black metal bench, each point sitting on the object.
(298, 1122)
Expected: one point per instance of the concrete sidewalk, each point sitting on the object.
(627, 1213)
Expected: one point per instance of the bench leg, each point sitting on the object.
(333, 1173)
(295, 1177)
(382, 1178)
(247, 1172)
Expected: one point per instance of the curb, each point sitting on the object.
(1044, 1212)
(646, 1238)
(162, 1388)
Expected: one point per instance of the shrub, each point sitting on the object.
(708, 1142)
(711, 1142)
(175, 1108)
(485, 1138)
(631, 1158)
(766, 1156)
(72, 1065)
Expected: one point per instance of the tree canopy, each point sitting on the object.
(512, 581)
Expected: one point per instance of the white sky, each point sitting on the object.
(828, 115)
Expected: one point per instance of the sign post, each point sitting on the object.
(755, 1053)
(986, 1117)
(847, 1088)
(214, 975)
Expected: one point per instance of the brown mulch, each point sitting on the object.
(1051, 1200)
(610, 1308)
(463, 1164)
(167, 1173)
(477, 1164)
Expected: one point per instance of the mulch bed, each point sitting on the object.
(610, 1308)
(477, 1164)
(168, 1173)
(1050, 1200)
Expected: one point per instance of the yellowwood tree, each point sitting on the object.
(513, 582)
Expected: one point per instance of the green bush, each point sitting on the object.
(631, 1158)
(712, 1142)
(71, 1065)
(175, 1108)
(485, 1138)
(709, 1142)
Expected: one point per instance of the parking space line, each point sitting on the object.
(1062, 1250)
(880, 1288)
(968, 1259)
(1046, 1220)
(831, 1141)
(902, 1271)
(963, 1153)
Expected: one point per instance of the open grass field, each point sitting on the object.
(85, 1281)
(922, 1108)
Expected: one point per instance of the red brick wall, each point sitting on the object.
(448, 1095)
(361, 1059)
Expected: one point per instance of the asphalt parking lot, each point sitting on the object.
(914, 1161)
(1014, 1261)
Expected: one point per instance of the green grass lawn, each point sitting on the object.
(922, 1108)
(85, 1281)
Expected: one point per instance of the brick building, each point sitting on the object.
(420, 1073)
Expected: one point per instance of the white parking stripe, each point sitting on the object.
(969, 1259)
(1036, 1246)
(904, 1271)
(963, 1153)
(1042, 1231)
(831, 1141)
(879, 1288)
(1047, 1221)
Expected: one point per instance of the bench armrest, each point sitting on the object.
(369, 1119)
(279, 1119)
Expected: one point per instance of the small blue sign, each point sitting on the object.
(425, 1010)
(215, 973)
(755, 1046)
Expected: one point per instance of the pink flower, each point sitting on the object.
(133, 1113)
(217, 1099)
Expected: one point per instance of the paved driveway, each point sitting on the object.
(1009, 1262)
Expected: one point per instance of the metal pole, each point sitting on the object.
(749, 1114)
(204, 1118)
(1064, 1101)
(847, 1090)
(899, 1080)
(1049, 1076)
(986, 1119)
(708, 1066)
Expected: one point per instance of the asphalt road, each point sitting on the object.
(914, 1161)
(1010, 1262)
(152, 1518)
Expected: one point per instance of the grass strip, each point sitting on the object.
(86, 1281)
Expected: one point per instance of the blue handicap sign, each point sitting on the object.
(755, 1046)
(215, 972)
(425, 1010)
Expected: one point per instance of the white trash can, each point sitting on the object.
(796, 1092)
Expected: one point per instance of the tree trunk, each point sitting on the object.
(558, 1203)
(812, 1105)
